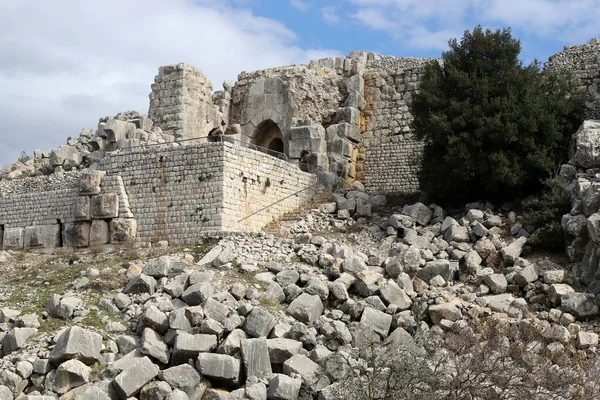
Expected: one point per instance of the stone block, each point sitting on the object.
(105, 206)
(42, 236)
(306, 308)
(297, 147)
(116, 130)
(315, 131)
(89, 183)
(99, 233)
(344, 130)
(341, 147)
(13, 238)
(78, 343)
(131, 380)
(220, 367)
(282, 387)
(81, 210)
(188, 346)
(255, 353)
(259, 323)
(123, 230)
(64, 153)
(76, 234)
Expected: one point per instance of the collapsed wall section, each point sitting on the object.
(584, 63)
(390, 153)
(259, 188)
(174, 193)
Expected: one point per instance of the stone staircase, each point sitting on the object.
(274, 228)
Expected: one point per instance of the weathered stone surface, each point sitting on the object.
(585, 340)
(16, 338)
(581, 305)
(188, 346)
(496, 282)
(448, 311)
(220, 367)
(419, 212)
(105, 206)
(303, 366)
(69, 375)
(99, 233)
(259, 323)
(257, 362)
(513, 250)
(378, 321)
(198, 293)
(587, 143)
(186, 378)
(435, 268)
(557, 291)
(526, 275)
(456, 233)
(76, 342)
(141, 284)
(282, 387)
(393, 294)
(158, 267)
(306, 308)
(123, 230)
(132, 379)
(154, 346)
(280, 349)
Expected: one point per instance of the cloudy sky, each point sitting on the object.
(65, 63)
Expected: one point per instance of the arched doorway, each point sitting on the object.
(215, 135)
(269, 137)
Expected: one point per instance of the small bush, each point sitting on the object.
(545, 215)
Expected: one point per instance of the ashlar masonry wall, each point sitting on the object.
(391, 154)
(259, 188)
(174, 193)
(33, 210)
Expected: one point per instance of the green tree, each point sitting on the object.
(492, 127)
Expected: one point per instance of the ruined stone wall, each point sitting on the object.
(259, 188)
(174, 193)
(584, 63)
(39, 200)
(181, 102)
(32, 210)
(391, 154)
(313, 92)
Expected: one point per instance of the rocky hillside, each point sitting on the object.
(364, 302)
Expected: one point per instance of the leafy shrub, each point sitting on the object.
(491, 126)
(545, 215)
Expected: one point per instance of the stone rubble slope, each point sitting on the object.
(124, 130)
(258, 317)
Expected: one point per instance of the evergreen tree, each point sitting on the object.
(493, 128)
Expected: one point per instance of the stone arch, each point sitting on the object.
(214, 135)
(269, 136)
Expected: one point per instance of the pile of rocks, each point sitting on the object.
(124, 130)
(582, 223)
(190, 330)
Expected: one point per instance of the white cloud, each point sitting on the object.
(65, 63)
(426, 23)
(300, 5)
(330, 15)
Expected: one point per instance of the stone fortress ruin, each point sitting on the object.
(234, 159)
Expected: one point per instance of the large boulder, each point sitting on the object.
(419, 212)
(306, 308)
(581, 305)
(76, 342)
(586, 145)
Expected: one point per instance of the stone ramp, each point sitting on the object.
(274, 228)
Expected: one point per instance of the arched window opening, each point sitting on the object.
(269, 137)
